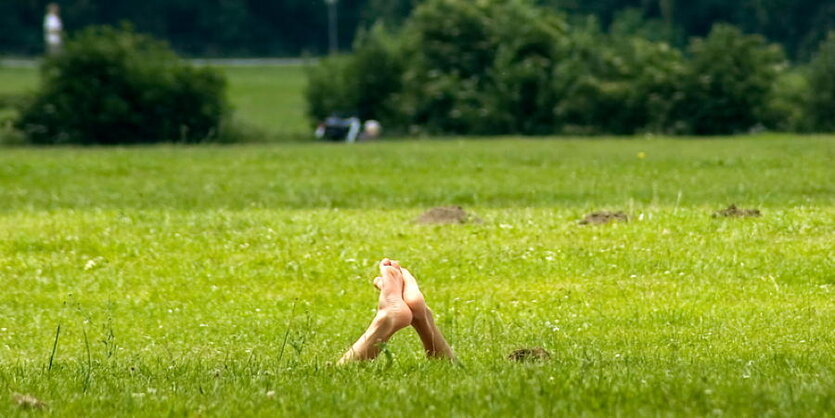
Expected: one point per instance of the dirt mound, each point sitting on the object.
(27, 401)
(529, 354)
(599, 218)
(446, 215)
(734, 212)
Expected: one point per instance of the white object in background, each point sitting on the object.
(372, 129)
(354, 131)
(52, 28)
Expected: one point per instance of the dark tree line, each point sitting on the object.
(293, 27)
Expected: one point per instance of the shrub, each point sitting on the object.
(614, 84)
(499, 67)
(820, 102)
(787, 109)
(114, 86)
(729, 82)
(361, 84)
(481, 67)
(494, 67)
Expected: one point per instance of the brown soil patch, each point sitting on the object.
(529, 354)
(446, 215)
(599, 218)
(734, 212)
(27, 401)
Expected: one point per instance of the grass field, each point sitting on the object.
(204, 281)
(269, 98)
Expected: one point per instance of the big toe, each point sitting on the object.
(391, 282)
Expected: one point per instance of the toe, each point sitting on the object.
(408, 278)
(391, 280)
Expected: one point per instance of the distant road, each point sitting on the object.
(237, 62)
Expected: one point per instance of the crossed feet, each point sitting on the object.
(400, 304)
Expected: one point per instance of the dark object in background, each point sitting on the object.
(599, 218)
(734, 212)
(336, 128)
(529, 354)
(446, 215)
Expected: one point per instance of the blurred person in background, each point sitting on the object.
(371, 129)
(336, 128)
(53, 29)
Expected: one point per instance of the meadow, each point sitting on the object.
(227, 280)
(266, 98)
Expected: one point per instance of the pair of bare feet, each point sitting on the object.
(401, 304)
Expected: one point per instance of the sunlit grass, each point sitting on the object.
(177, 274)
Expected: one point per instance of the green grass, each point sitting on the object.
(269, 98)
(185, 270)
(17, 80)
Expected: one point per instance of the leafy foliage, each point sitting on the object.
(361, 84)
(115, 86)
(729, 82)
(478, 67)
(509, 67)
(820, 105)
(612, 84)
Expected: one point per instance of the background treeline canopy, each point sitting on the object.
(508, 67)
(293, 27)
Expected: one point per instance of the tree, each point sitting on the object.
(729, 82)
(114, 86)
(820, 105)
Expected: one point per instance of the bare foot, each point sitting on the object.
(411, 292)
(392, 315)
(422, 320)
(391, 304)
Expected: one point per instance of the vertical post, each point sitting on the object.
(333, 37)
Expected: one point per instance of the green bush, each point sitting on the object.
(787, 109)
(494, 67)
(113, 86)
(820, 102)
(500, 67)
(361, 84)
(481, 67)
(729, 82)
(615, 84)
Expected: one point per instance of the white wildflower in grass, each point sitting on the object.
(90, 264)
